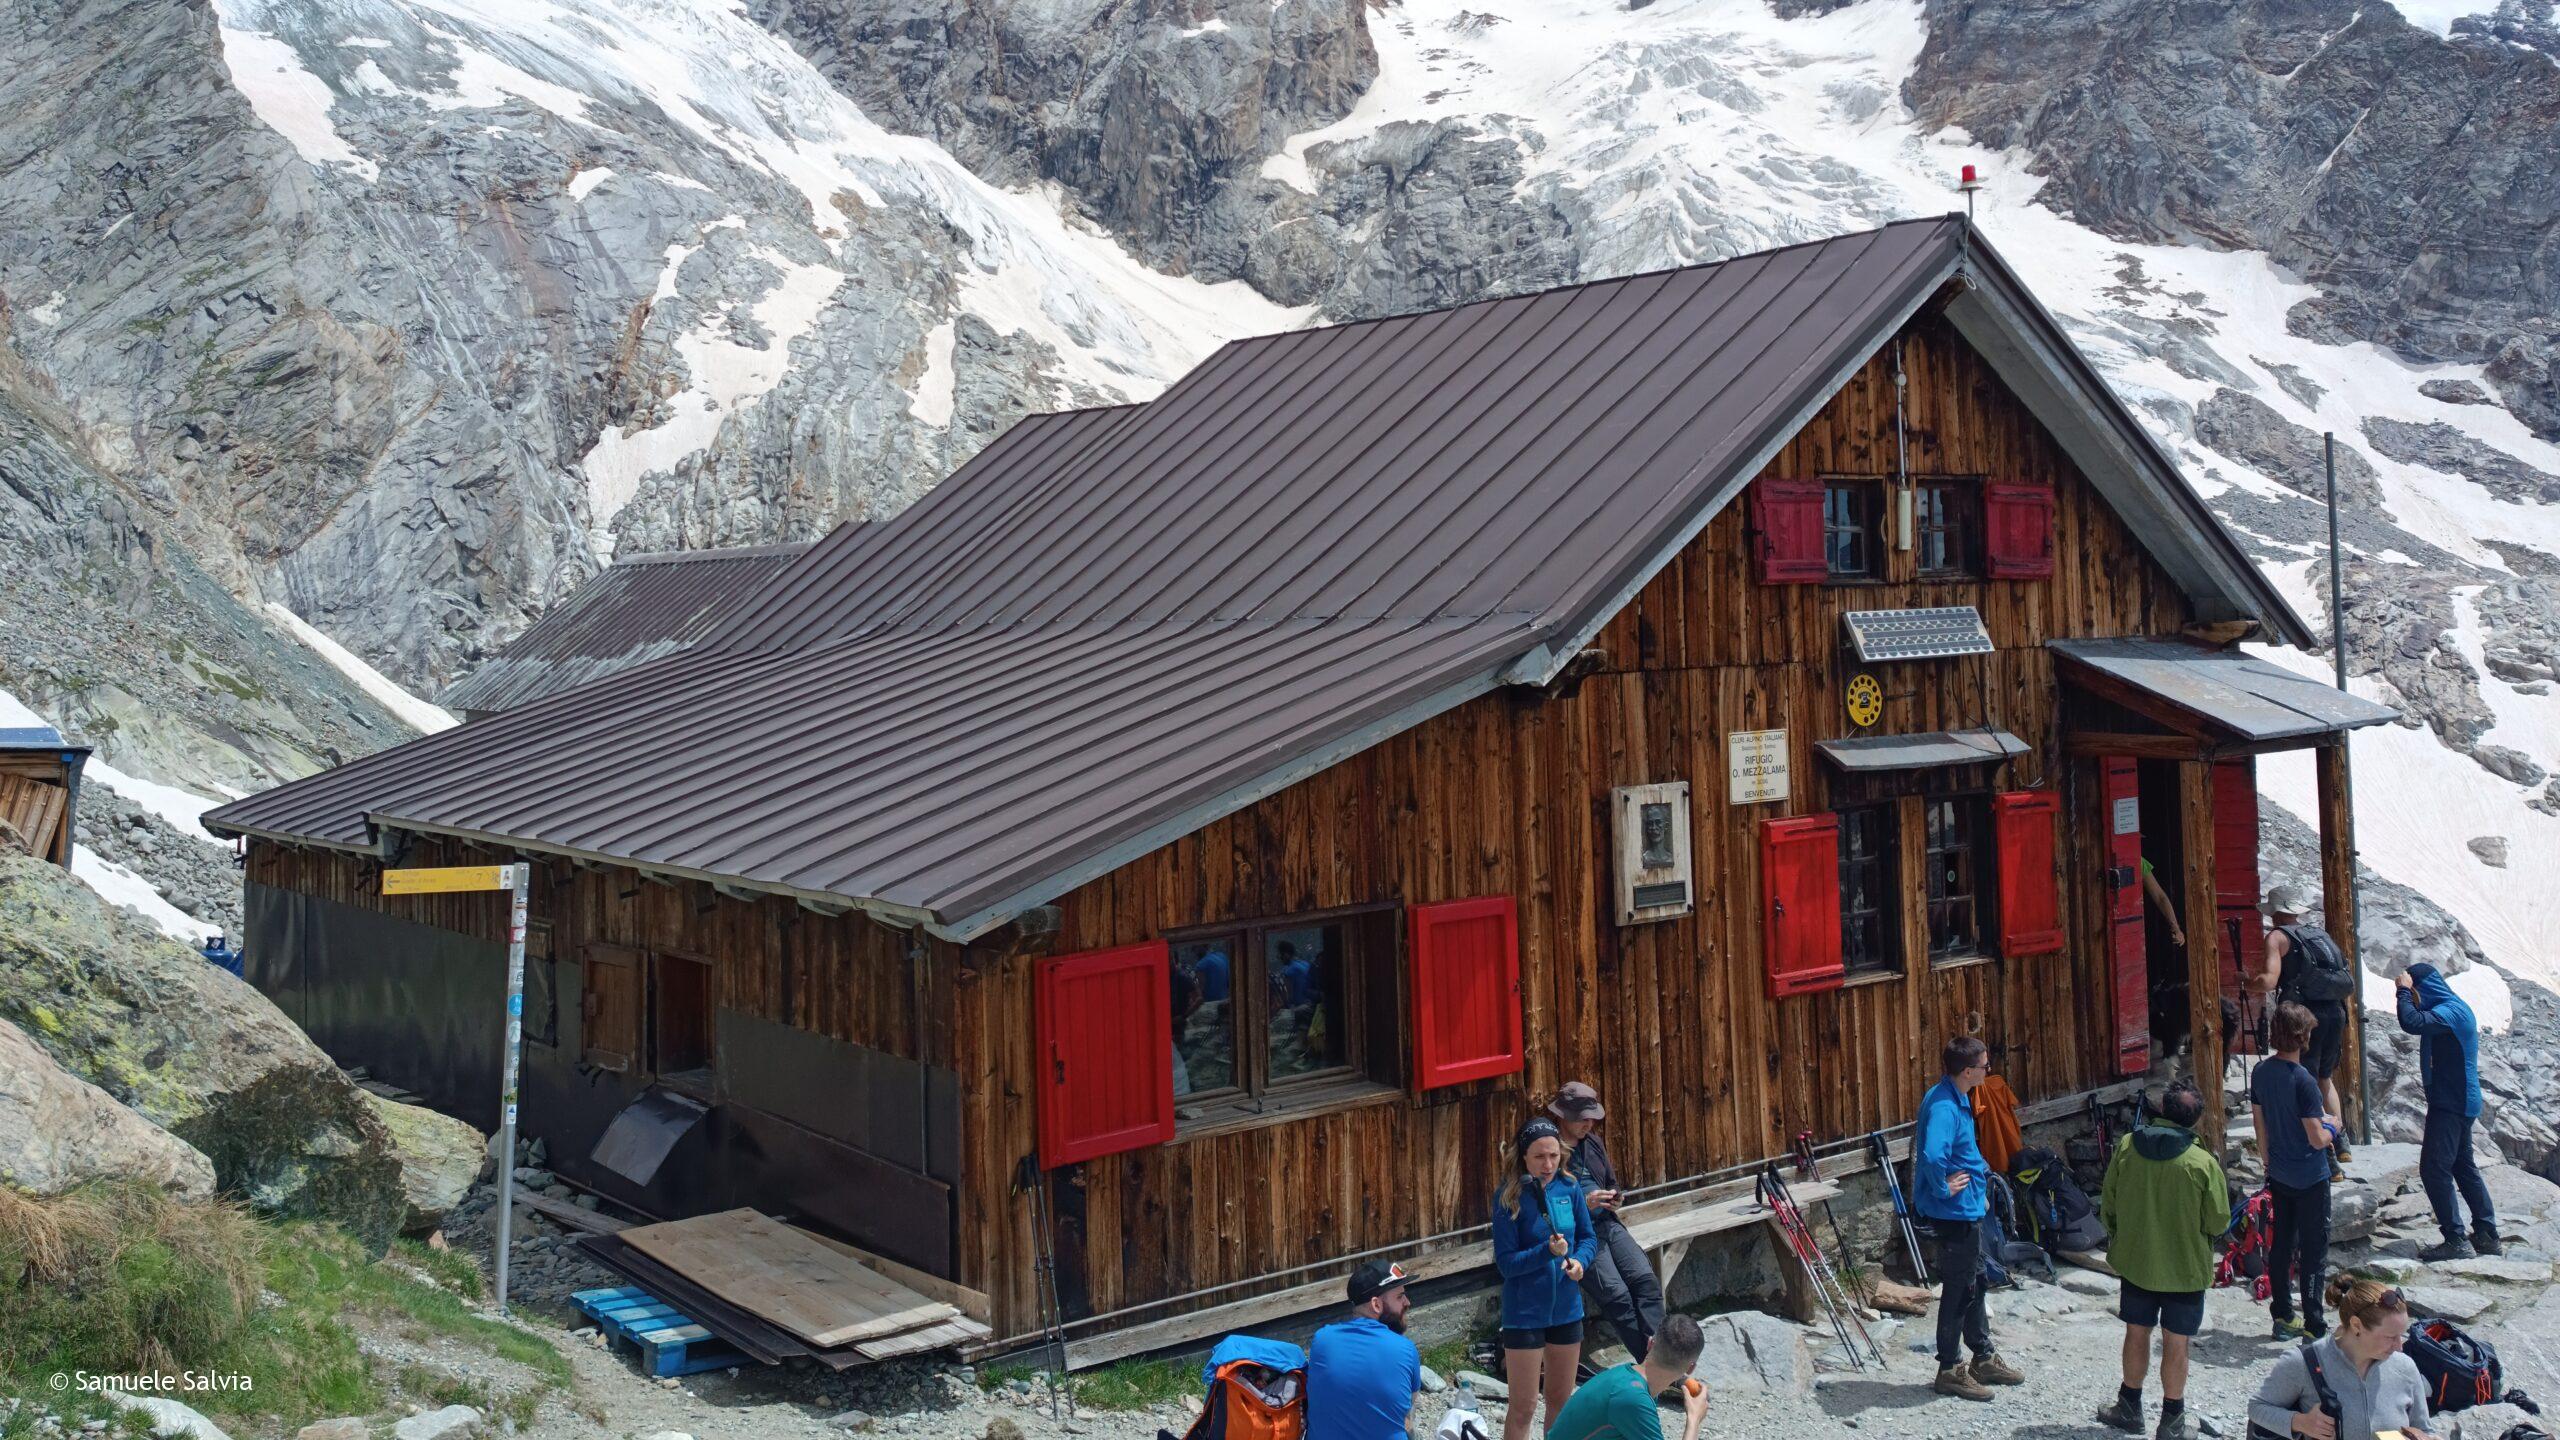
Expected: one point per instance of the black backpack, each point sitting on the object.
(2053, 1210)
(2319, 1386)
(2461, 1369)
(2324, 977)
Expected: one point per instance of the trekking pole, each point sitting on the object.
(1809, 1167)
(1845, 1322)
(1901, 1208)
(1052, 1321)
(1850, 1303)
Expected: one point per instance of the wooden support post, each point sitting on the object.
(2204, 950)
(2338, 905)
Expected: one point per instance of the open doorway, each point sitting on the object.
(2239, 934)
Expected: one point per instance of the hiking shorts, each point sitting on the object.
(1568, 1333)
(2328, 1040)
(2179, 1314)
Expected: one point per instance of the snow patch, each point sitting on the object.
(727, 376)
(50, 312)
(930, 400)
(118, 886)
(289, 99)
(2439, 15)
(417, 714)
(583, 184)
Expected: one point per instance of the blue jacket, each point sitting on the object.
(1535, 1293)
(2448, 1041)
(1942, 1145)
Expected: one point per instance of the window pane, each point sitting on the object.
(1954, 875)
(1848, 528)
(1946, 529)
(1204, 1016)
(1309, 1026)
(1865, 895)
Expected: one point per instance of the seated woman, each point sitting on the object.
(1542, 1242)
(2376, 1388)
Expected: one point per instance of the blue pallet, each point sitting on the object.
(669, 1342)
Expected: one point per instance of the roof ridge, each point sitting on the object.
(723, 552)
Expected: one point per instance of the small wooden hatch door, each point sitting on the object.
(1786, 531)
(2030, 890)
(1104, 1040)
(2017, 529)
(1466, 991)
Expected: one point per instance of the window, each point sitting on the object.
(1282, 1003)
(1956, 827)
(679, 1017)
(1948, 530)
(1849, 538)
(1868, 898)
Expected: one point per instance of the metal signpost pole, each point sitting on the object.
(519, 881)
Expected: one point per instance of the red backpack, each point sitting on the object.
(2245, 1258)
(1251, 1401)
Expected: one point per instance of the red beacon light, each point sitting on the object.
(1969, 180)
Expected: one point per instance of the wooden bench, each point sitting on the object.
(1667, 1228)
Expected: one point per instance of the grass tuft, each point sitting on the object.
(1137, 1384)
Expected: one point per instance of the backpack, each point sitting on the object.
(1257, 1391)
(2461, 1369)
(2324, 977)
(2053, 1211)
(2319, 1386)
(2252, 1245)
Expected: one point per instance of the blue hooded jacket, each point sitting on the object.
(1535, 1293)
(2448, 1041)
(1943, 1145)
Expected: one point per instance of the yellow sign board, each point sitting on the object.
(1866, 701)
(447, 878)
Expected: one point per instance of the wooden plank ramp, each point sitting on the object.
(800, 1283)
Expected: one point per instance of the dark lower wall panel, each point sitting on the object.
(422, 1008)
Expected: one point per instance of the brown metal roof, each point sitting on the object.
(1112, 626)
(637, 609)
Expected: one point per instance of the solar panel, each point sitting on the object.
(1931, 634)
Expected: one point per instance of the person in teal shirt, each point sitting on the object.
(1617, 1403)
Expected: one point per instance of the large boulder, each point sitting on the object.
(439, 1159)
(194, 1050)
(58, 1131)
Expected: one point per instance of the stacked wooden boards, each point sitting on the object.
(829, 1296)
(33, 807)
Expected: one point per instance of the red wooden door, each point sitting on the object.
(1103, 1024)
(1466, 991)
(2242, 940)
(2128, 955)
(1800, 904)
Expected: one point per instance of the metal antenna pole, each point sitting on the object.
(2346, 763)
(519, 881)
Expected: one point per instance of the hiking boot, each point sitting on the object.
(2288, 1328)
(2452, 1248)
(1958, 1381)
(2118, 1415)
(1992, 1370)
(2339, 1151)
(2485, 1241)
(2172, 1427)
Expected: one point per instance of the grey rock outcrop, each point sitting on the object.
(2394, 168)
(2439, 446)
(194, 1050)
(58, 1131)
(440, 1159)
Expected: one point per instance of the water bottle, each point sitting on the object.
(1465, 1402)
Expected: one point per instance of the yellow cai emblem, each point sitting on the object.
(1866, 700)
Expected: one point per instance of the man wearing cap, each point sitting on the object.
(1621, 1284)
(2306, 967)
(1362, 1372)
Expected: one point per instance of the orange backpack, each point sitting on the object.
(1251, 1401)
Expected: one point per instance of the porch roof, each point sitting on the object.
(1868, 754)
(2219, 695)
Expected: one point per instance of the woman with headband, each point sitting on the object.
(1542, 1242)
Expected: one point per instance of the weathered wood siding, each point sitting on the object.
(1506, 796)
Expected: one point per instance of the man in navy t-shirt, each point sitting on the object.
(2293, 1140)
(1362, 1373)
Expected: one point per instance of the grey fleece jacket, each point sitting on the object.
(2384, 1398)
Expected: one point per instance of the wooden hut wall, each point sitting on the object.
(1508, 795)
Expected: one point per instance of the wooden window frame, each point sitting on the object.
(698, 1080)
(1975, 810)
(1366, 1074)
(1869, 528)
(1965, 528)
(1889, 962)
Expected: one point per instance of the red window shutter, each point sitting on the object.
(1104, 1030)
(1786, 530)
(1800, 904)
(2030, 893)
(1466, 990)
(2128, 955)
(2017, 527)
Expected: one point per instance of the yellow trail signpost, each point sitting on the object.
(517, 879)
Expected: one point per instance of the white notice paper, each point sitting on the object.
(1757, 761)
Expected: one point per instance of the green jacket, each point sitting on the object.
(2164, 1204)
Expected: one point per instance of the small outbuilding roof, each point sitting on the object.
(2225, 695)
(37, 737)
(1113, 626)
(635, 610)
(1869, 754)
